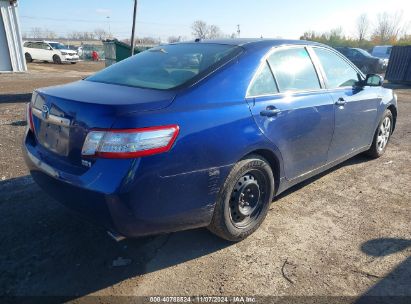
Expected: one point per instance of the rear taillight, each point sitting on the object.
(129, 143)
(29, 112)
(29, 117)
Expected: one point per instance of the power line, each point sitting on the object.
(113, 20)
(96, 21)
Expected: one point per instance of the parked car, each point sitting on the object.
(49, 51)
(383, 52)
(143, 147)
(363, 60)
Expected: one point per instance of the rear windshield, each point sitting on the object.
(166, 67)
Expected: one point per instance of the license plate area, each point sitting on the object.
(54, 137)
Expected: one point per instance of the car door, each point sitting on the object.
(46, 51)
(35, 51)
(355, 108)
(292, 109)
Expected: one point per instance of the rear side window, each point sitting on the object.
(37, 45)
(168, 66)
(263, 83)
(294, 70)
(339, 73)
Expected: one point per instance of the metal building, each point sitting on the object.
(11, 45)
(399, 65)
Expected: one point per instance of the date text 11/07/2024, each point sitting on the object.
(202, 299)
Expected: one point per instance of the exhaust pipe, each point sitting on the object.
(115, 236)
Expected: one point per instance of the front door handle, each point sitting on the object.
(341, 102)
(270, 111)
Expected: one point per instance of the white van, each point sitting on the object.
(49, 51)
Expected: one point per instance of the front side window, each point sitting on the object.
(294, 70)
(45, 46)
(263, 83)
(339, 73)
(168, 66)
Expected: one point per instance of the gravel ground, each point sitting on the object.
(344, 233)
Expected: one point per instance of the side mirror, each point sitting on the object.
(374, 80)
(49, 48)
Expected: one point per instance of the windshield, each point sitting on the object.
(382, 52)
(58, 46)
(166, 67)
(365, 53)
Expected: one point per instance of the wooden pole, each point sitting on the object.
(134, 28)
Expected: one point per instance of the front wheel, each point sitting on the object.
(56, 59)
(243, 201)
(382, 135)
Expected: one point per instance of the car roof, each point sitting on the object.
(44, 41)
(256, 42)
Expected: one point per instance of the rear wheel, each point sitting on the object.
(382, 135)
(73, 62)
(56, 59)
(243, 201)
(28, 57)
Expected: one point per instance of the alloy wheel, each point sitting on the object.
(384, 133)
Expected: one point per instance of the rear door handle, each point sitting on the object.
(341, 102)
(270, 111)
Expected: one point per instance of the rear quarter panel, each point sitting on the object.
(216, 130)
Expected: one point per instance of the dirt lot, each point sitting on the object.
(344, 233)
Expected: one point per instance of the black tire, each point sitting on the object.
(56, 59)
(376, 150)
(251, 175)
(28, 57)
(73, 62)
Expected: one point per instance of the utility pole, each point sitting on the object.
(238, 31)
(109, 30)
(134, 28)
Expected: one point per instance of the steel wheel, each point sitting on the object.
(384, 133)
(247, 198)
(243, 201)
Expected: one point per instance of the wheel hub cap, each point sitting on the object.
(384, 133)
(246, 195)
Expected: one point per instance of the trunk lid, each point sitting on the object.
(63, 115)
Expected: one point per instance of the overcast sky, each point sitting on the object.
(163, 18)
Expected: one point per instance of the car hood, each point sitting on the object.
(68, 51)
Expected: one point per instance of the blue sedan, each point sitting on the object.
(202, 134)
